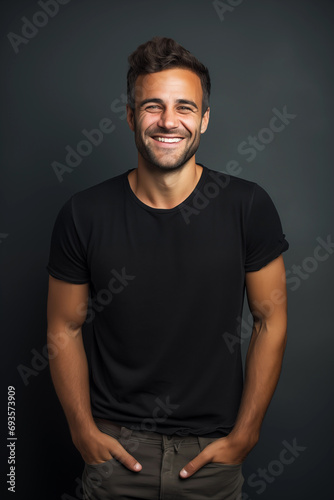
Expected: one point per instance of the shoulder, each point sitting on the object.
(238, 188)
(98, 198)
(101, 190)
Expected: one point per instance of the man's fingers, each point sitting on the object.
(195, 464)
(125, 458)
(104, 447)
(221, 451)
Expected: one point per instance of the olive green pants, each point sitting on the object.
(162, 457)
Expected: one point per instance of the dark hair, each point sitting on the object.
(164, 53)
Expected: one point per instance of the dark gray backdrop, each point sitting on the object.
(69, 74)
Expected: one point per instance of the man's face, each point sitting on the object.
(168, 118)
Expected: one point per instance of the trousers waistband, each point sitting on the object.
(151, 435)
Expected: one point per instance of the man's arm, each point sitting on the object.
(267, 299)
(66, 312)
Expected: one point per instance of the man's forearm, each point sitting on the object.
(262, 370)
(69, 372)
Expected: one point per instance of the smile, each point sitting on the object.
(169, 139)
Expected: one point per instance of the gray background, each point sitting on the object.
(262, 55)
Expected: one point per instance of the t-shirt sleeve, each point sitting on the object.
(265, 239)
(67, 257)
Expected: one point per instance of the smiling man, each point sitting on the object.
(168, 128)
(164, 411)
(168, 120)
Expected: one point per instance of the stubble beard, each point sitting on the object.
(166, 163)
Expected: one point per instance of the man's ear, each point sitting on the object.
(130, 117)
(205, 121)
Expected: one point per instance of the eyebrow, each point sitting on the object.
(160, 101)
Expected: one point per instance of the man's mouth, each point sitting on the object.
(167, 139)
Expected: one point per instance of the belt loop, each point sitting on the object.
(177, 445)
(200, 443)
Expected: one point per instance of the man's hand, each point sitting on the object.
(226, 450)
(97, 447)
(66, 312)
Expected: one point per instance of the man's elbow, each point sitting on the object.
(271, 327)
(275, 328)
(59, 334)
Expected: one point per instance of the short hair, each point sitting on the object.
(162, 53)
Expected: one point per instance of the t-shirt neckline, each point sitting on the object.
(166, 210)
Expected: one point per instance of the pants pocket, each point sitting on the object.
(104, 465)
(203, 442)
(226, 466)
(213, 480)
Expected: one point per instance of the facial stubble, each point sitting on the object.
(174, 164)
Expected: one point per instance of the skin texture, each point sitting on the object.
(165, 176)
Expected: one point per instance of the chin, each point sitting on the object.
(173, 166)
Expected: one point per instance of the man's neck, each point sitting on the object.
(164, 189)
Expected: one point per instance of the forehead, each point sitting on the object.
(175, 83)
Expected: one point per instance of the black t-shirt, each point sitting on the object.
(167, 289)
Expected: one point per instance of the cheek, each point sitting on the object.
(145, 123)
(191, 126)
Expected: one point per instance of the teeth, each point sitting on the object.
(164, 139)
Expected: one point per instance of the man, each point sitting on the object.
(158, 259)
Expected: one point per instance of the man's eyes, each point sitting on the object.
(155, 107)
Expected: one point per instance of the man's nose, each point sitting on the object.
(168, 119)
